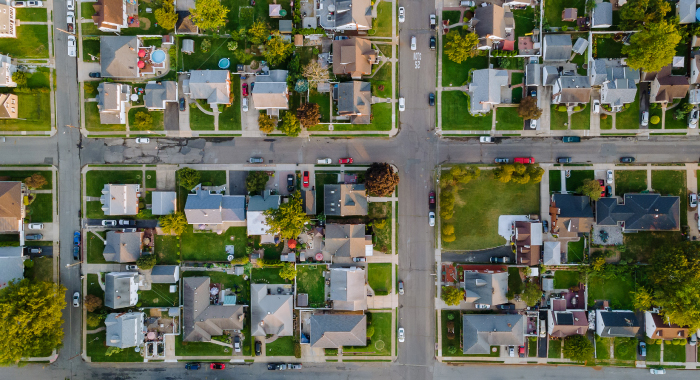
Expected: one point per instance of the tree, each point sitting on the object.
(653, 47)
(380, 179)
(528, 108)
(208, 14)
(35, 181)
(448, 229)
(531, 294)
(20, 78)
(146, 261)
(590, 188)
(113, 350)
(266, 123)
(598, 264)
(451, 295)
(578, 348)
(676, 284)
(142, 121)
(93, 320)
(232, 45)
(636, 13)
(258, 32)
(243, 260)
(459, 175)
(370, 332)
(174, 223)
(308, 114)
(288, 272)
(535, 173)
(642, 299)
(277, 50)
(92, 303)
(655, 120)
(290, 125)
(289, 219)
(256, 181)
(504, 173)
(166, 16)
(449, 238)
(459, 48)
(188, 178)
(315, 73)
(30, 319)
(447, 204)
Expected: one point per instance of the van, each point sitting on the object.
(413, 43)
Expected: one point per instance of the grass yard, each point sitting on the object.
(478, 205)
(21, 175)
(673, 353)
(156, 123)
(456, 116)
(626, 348)
(34, 42)
(672, 182)
(653, 351)
(41, 271)
(554, 181)
(672, 123)
(575, 251)
(605, 123)
(96, 179)
(381, 121)
(380, 214)
(381, 341)
(90, 90)
(168, 249)
(565, 279)
(515, 284)
(575, 181)
(630, 181)
(554, 351)
(34, 110)
(554, 8)
(381, 82)
(602, 346)
(199, 121)
(31, 14)
(507, 119)
(272, 251)
(524, 21)
(209, 246)
(455, 341)
(92, 120)
(608, 48)
(382, 23)
(324, 104)
(642, 245)
(616, 290)
(457, 74)
(93, 286)
(95, 247)
(580, 60)
(379, 278)
(158, 296)
(97, 350)
(90, 48)
(282, 346)
(581, 119)
(210, 60)
(94, 210)
(230, 116)
(558, 120)
(269, 275)
(213, 177)
(199, 348)
(227, 281)
(40, 211)
(310, 281)
(151, 179)
(451, 16)
(629, 118)
(531, 347)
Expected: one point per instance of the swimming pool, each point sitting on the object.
(158, 56)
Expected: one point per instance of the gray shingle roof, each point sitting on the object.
(486, 288)
(355, 100)
(345, 199)
(557, 47)
(203, 320)
(643, 212)
(346, 240)
(120, 289)
(119, 56)
(212, 85)
(123, 247)
(573, 206)
(348, 291)
(552, 253)
(533, 74)
(611, 324)
(165, 274)
(602, 15)
(619, 92)
(163, 202)
(157, 94)
(489, 21)
(11, 265)
(686, 11)
(574, 89)
(271, 313)
(271, 91)
(338, 330)
(233, 208)
(485, 89)
(125, 330)
(481, 331)
(206, 208)
(262, 203)
(580, 46)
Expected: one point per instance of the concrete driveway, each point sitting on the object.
(236, 179)
(249, 120)
(478, 256)
(171, 118)
(643, 101)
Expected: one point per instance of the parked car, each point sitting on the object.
(602, 187)
(431, 200)
(76, 299)
(433, 42)
(294, 366)
(34, 250)
(76, 238)
(402, 104)
(347, 160)
(95, 74)
(324, 161)
(76, 253)
(608, 191)
(277, 367)
(109, 223)
(564, 160)
(533, 124)
(245, 89)
(511, 351)
(402, 14)
(693, 341)
(36, 226)
(596, 106)
(500, 260)
(433, 21)
(571, 139)
(305, 179)
(34, 4)
(657, 371)
(626, 160)
(431, 99)
(693, 200)
(256, 160)
(359, 259)
(524, 160)
(193, 366)
(645, 118)
(217, 366)
(401, 287)
(642, 349)
(70, 21)
(70, 5)
(543, 328)
(290, 182)
(72, 47)
(693, 118)
(132, 267)
(506, 306)
(19, 4)
(33, 237)
(402, 335)
(431, 219)
(237, 343)
(482, 306)
(521, 351)
(244, 104)
(126, 222)
(545, 226)
(258, 348)
(183, 104)
(413, 42)
(609, 176)
(486, 139)
(143, 140)
(500, 160)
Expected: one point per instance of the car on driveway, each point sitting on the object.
(506, 306)
(602, 187)
(256, 160)
(431, 99)
(95, 74)
(608, 191)
(217, 366)
(545, 226)
(347, 160)
(76, 299)
(645, 118)
(524, 160)
(258, 348)
(693, 200)
(237, 343)
(511, 351)
(402, 335)
(693, 341)
(109, 223)
(433, 42)
(693, 118)
(127, 222)
(290, 182)
(245, 89)
(642, 349)
(609, 176)
(244, 104)
(72, 47)
(76, 238)
(359, 259)
(431, 219)
(36, 226)
(482, 306)
(76, 253)
(34, 250)
(521, 351)
(183, 104)
(626, 160)
(500, 260)
(143, 140)
(596, 106)
(306, 179)
(402, 14)
(33, 237)
(501, 160)
(401, 287)
(193, 366)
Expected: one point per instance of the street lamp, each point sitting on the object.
(74, 264)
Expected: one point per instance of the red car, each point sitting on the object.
(602, 188)
(217, 366)
(347, 160)
(306, 179)
(245, 89)
(525, 160)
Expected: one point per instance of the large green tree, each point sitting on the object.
(675, 278)
(289, 219)
(146, 261)
(636, 13)
(460, 48)
(380, 179)
(459, 175)
(30, 319)
(653, 47)
(188, 178)
(288, 272)
(578, 348)
(266, 123)
(258, 32)
(256, 181)
(277, 50)
(166, 16)
(531, 294)
(174, 223)
(290, 124)
(452, 295)
(209, 14)
(528, 108)
(590, 188)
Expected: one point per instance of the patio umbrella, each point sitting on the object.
(142, 53)
(292, 244)
(141, 64)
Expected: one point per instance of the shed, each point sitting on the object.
(188, 46)
(285, 26)
(302, 300)
(580, 46)
(298, 40)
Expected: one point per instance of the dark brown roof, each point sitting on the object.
(111, 11)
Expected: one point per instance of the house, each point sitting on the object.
(257, 221)
(533, 74)
(552, 253)
(201, 318)
(571, 90)
(212, 85)
(486, 287)
(120, 199)
(616, 323)
(348, 290)
(487, 88)
(640, 212)
(163, 202)
(338, 330)
(658, 327)
(342, 15)
(618, 83)
(125, 330)
(158, 94)
(580, 46)
(123, 247)
(7, 68)
(308, 201)
(355, 101)
(528, 242)
(271, 93)
(549, 75)
(666, 87)
(602, 15)
(110, 15)
(562, 322)
(8, 23)
(694, 69)
(185, 25)
(11, 264)
(685, 10)
(204, 207)
(274, 10)
(112, 102)
(481, 331)
(557, 47)
(618, 92)
(570, 215)
(8, 106)
(353, 56)
(119, 56)
(165, 274)
(12, 209)
(348, 240)
(569, 14)
(492, 24)
(271, 312)
(345, 199)
(121, 289)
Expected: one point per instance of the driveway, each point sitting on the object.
(172, 116)
(643, 101)
(236, 179)
(478, 256)
(148, 223)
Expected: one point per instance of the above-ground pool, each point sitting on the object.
(158, 56)
(224, 63)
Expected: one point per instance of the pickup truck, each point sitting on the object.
(70, 20)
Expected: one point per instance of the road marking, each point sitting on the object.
(416, 59)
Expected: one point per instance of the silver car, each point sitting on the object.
(401, 288)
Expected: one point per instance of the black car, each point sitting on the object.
(34, 237)
(290, 182)
(431, 99)
(545, 226)
(258, 348)
(183, 104)
(76, 253)
(626, 160)
(193, 366)
(276, 367)
(95, 74)
(433, 42)
(507, 306)
(564, 160)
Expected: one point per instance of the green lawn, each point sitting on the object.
(324, 104)
(642, 245)
(558, 120)
(630, 181)
(94, 210)
(230, 116)
(553, 10)
(531, 347)
(381, 341)
(95, 247)
(151, 179)
(456, 116)
(451, 16)
(228, 281)
(33, 109)
(580, 60)
(168, 249)
(629, 118)
(575, 181)
(40, 211)
(96, 349)
(605, 123)
(608, 48)
(524, 21)
(507, 119)
(269, 275)
(147, 27)
(478, 205)
(31, 14)
(603, 347)
(554, 181)
(96, 179)
(673, 353)
(575, 251)
(581, 120)
(41, 271)
(199, 348)
(380, 213)
(156, 123)
(455, 341)
(626, 348)
(210, 60)
(213, 177)
(92, 120)
(199, 121)
(34, 42)
(554, 351)
(379, 278)
(158, 296)
(616, 290)
(272, 251)
(209, 246)
(672, 123)
(672, 182)
(515, 284)
(310, 281)
(653, 352)
(93, 286)
(565, 279)
(382, 23)
(456, 74)
(381, 82)
(91, 48)
(283, 346)
(21, 175)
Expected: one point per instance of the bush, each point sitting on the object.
(561, 108)
(603, 116)
(655, 119)
(450, 316)
(451, 350)
(448, 229)
(146, 262)
(449, 238)
(577, 108)
(205, 46)
(28, 263)
(564, 28)
(93, 320)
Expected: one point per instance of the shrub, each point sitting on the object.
(146, 262)
(450, 316)
(577, 108)
(564, 28)
(561, 108)
(448, 229)
(449, 238)
(93, 320)
(28, 263)
(604, 116)
(451, 350)
(205, 46)
(655, 119)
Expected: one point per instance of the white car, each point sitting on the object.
(402, 336)
(245, 104)
(324, 161)
(36, 226)
(486, 139)
(402, 104)
(132, 267)
(693, 340)
(72, 47)
(596, 106)
(693, 200)
(511, 351)
(109, 223)
(402, 14)
(431, 217)
(533, 124)
(610, 176)
(645, 118)
(413, 43)
(143, 140)
(76, 299)
(69, 5)
(482, 306)
(659, 371)
(693, 118)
